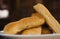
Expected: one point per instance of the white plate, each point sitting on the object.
(45, 36)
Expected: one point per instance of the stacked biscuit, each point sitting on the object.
(34, 24)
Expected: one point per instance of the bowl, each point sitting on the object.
(43, 36)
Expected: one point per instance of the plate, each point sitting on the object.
(44, 36)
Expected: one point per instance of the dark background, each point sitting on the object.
(19, 9)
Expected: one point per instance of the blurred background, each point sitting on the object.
(13, 10)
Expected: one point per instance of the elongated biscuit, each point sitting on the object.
(32, 31)
(50, 20)
(18, 26)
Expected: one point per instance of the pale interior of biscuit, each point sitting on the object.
(50, 20)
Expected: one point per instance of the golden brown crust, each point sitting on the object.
(28, 22)
(32, 21)
(38, 15)
(32, 31)
(11, 28)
